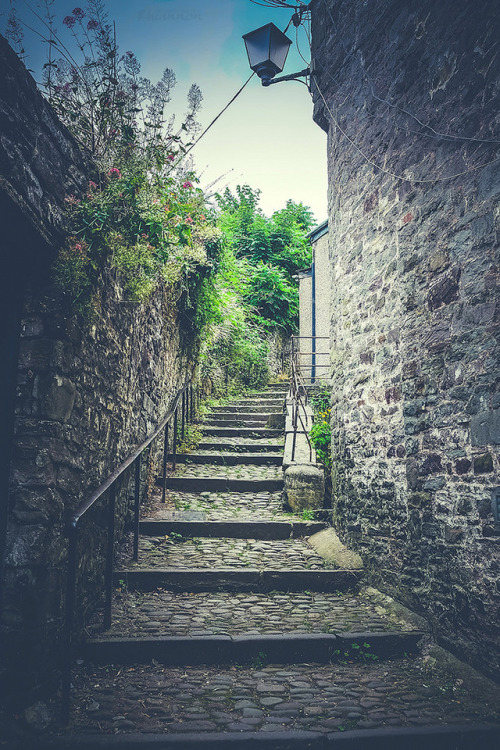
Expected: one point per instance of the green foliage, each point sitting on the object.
(320, 433)
(142, 214)
(276, 249)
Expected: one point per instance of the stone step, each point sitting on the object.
(163, 613)
(237, 422)
(230, 459)
(242, 417)
(191, 733)
(246, 446)
(223, 470)
(262, 402)
(231, 529)
(244, 649)
(246, 408)
(223, 553)
(225, 506)
(264, 395)
(258, 432)
(244, 579)
(348, 705)
(220, 484)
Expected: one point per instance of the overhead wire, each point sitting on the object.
(185, 153)
(403, 177)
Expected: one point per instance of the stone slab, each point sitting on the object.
(230, 529)
(457, 737)
(328, 545)
(221, 484)
(245, 579)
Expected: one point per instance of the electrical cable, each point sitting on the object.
(386, 171)
(307, 62)
(214, 120)
(183, 156)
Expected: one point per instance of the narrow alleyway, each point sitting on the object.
(231, 627)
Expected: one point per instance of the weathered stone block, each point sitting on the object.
(485, 428)
(58, 398)
(304, 487)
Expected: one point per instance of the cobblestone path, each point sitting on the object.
(232, 629)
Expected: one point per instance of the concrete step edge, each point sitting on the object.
(231, 529)
(444, 737)
(238, 579)
(227, 457)
(221, 484)
(217, 649)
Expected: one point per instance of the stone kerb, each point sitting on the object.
(303, 477)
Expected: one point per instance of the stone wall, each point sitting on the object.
(414, 222)
(86, 393)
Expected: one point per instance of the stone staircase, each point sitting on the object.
(233, 632)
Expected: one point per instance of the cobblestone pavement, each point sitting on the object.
(152, 698)
(223, 506)
(237, 442)
(162, 612)
(367, 693)
(224, 554)
(240, 471)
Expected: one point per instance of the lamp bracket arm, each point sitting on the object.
(291, 76)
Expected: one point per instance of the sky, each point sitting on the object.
(267, 137)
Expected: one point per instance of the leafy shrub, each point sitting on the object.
(320, 433)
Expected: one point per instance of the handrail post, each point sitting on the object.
(174, 447)
(165, 459)
(68, 622)
(109, 557)
(137, 500)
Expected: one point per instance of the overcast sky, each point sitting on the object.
(267, 137)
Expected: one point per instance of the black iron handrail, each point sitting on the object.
(298, 397)
(187, 399)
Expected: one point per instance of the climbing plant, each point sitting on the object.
(143, 213)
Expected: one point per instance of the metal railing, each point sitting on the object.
(314, 364)
(186, 402)
(298, 398)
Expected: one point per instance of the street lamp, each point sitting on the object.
(267, 49)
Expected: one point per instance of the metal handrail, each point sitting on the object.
(298, 395)
(188, 399)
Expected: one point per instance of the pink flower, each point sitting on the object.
(69, 21)
(92, 185)
(72, 200)
(202, 217)
(187, 184)
(188, 220)
(92, 24)
(78, 14)
(115, 173)
(170, 157)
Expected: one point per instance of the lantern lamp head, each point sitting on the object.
(267, 49)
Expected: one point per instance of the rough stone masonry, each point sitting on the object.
(84, 394)
(408, 93)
